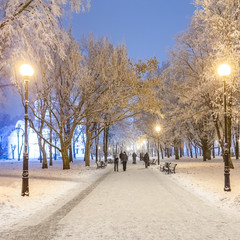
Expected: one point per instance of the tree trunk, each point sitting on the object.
(161, 151)
(44, 162)
(40, 151)
(213, 150)
(195, 151)
(51, 140)
(187, 147)
(18, 147)
(50, 155)
(206, 153)
(68, 129)
(65, 158)
(105, 143)
(176, 151)
(237, 148)
(43, 154)
(87, 146)
(237, 142)
(55, 150)
(181, 149)
(229, 135)
(74, 150)
(190, 148)
(70, 153)
(96, 148)
(64, 150)
(96, 152)
(168, 152)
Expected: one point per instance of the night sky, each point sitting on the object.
(148, 27)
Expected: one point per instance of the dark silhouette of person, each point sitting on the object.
(146, 159)
(134, 156)
(116, 163)
(121, 156)
(124, 161)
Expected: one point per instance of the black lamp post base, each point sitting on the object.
(227, 189)
(25, 194)
(25, 187)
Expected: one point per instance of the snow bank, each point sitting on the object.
(206, 179)
(49, 189)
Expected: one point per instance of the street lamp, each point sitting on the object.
(26, 71)
(224, 70)
(158, 130)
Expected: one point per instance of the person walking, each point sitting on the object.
(115, 163)
(134, 155)
(146, 159)
(124, 161)
(121, 156)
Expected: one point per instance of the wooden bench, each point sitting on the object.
(172, 167)
(168, 167)
(110, 160)
(101, 164)
(164, 167)
(153, 162)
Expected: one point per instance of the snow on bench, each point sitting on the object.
(101, 164)
(168, 167)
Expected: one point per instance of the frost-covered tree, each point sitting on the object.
(58, 92)
(30, 29)
(112, 78)
(194, 62)
(151, 101)
(221, 19)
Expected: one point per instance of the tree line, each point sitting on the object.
(192, 92)
(90, 83)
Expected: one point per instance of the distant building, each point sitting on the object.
(16, 144)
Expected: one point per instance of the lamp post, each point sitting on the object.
(224, 70)
(26, 71)
(158, 130)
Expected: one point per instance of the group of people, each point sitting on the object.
(124, 158)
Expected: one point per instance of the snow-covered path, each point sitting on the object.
(137, 204)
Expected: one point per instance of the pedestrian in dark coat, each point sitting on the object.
(124, 161)
(121, 156)
(146, 159)
(134, 155)
(116, 163)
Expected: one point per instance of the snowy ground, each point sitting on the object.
(206, 179)
(49, 189)
(52, 188)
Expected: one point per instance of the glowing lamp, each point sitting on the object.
(224, 70)
(26, 70)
